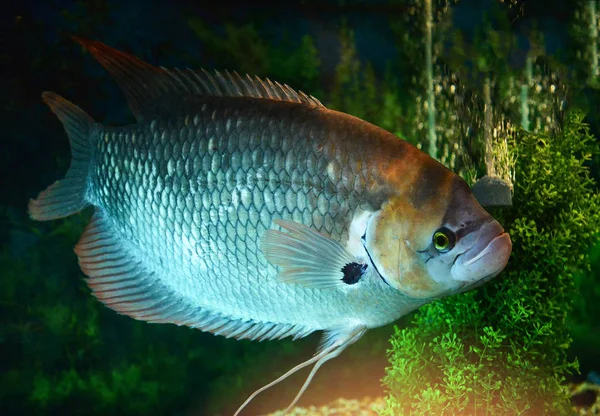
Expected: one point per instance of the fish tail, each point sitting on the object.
(67, 196)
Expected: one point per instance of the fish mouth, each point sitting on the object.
(486, 258)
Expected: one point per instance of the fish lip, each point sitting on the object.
(485, 259)
(468, 285)
(488, 232)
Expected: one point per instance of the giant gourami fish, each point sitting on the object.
(242, 207)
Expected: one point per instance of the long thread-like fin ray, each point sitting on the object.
(325, 355)
(133, 75)
(338, 341)
(300, 366)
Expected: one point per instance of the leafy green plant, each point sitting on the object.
(356, 83)
(244, 49)
(503, 348)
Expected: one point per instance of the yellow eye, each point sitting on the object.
(443, 240)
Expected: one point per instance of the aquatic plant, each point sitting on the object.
(502, 349)
(356, 83)
(583, 322)
(586, 41)
(243, 48)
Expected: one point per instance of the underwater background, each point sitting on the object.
(502, 88)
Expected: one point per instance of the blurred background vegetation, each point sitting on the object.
(452, 77)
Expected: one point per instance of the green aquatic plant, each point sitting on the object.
(356, 83)
(244, 49)
(584, 324)
(502, 349)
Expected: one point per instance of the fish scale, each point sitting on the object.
(206, 218)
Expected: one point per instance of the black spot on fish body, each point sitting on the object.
(353, 272)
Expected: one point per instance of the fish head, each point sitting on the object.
(440, 245)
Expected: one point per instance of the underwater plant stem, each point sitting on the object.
(429, 70)
(487, 131)
(525, 93)
(595, 73)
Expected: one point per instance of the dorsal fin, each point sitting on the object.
(145, 85)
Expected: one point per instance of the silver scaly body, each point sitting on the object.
(190, 197)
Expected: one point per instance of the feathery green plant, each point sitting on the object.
(502, 349)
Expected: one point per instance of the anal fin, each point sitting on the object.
(123, 282)
(116, 278)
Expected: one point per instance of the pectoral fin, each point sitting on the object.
(310, 258)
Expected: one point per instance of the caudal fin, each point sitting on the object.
(67, 196)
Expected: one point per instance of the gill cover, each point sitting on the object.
(428, 246)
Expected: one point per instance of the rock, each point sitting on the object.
(492, 192)
(585, 398)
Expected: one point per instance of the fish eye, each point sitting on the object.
(443, 240)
